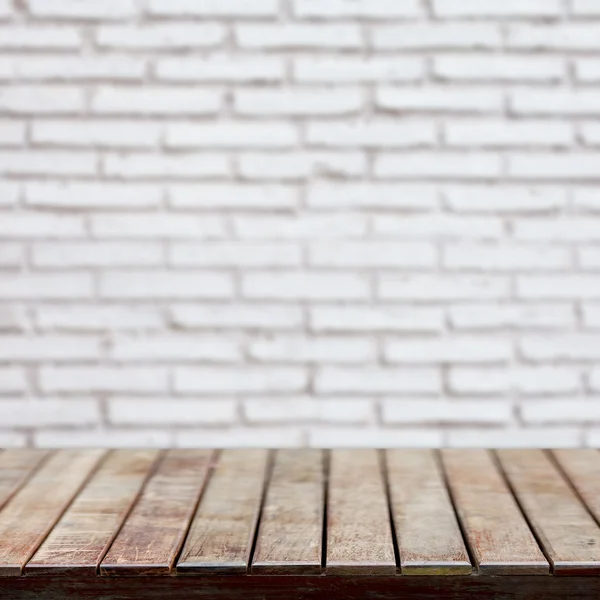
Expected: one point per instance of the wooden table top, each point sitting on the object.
(469, 513)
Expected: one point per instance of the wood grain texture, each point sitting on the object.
(152, 535)
(499, 538)
(569, 535)
(290, 534)
(428, 535)
(222, 530)
(359, 535)
(582, 467)
(29, 516)
(16, 466)
(80, 539)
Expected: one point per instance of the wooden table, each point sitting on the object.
(257, 524)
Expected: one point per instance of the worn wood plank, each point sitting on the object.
(290, 533)
(500, 540)
(80, 539)
(359, 535)
(567, 532)
(16, 466)
(428, 535)
(222, 530)
(32, 512)
(152, 535)
(582, 467)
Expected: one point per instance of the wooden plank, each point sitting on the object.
(32, 512)
(359, 535)
(16, 466)
(500, 540)
(152, 535)
(222, 531)
(291, 529)
(80, 539)
(428, 535)
(569, 535)
(582, 467)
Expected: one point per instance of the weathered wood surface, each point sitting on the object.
(291, 529)
(32, 512)
(152, 536)
(83, 535)
(16, 466)
(428, 535)
(567, 532)
(222, 531)
(498, 535)
(359, 535)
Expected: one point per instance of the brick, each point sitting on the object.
(221, 68)
(565, 229)
(364, 9)
(561, 411)
(505, 257)
(90, 195)
(590, 314)
(160, 165)
(371, 319)
(298, 36)
(443, 287)
(526, 381)
(154, 100)
(507, 134)
(296, 102)
(510, 9)
(35, 100)
(588, 257)
(438, 99)
(233, 134)
(51, 286)
(5, 9)
(372, 254)
(75, 9)
(562, 36)
(344, 69)
(12, 380)
(287, 286)
(236, 316)
(555, 166)
(235, 254)
(104, 438)
(377, 133)
(12, 133)
(504, 199)
(9, 194)
(438, 166)
(564, 286)
(12, 439)
(587, 70)
(171, 411)
(38, 37)
(377, 380)
(73, 68)
(11, 255)
(445, 412)
(149, 225)
(560, 348)
(302, 349)
(73, 379)
(180, 348)
(511, 316)
(301, 165)
(584, 8)
(52, 348)
(437, 36)
(586, 199)
(164, 284)
(32, 225)
(555, 102)
(591, 437)
(247, 196)
(95, 317)
(214, 8)
(336, 437)
(441, 226)
(548, 437)
(447, 350)
(65, 255)
(243, 437)
(594, 380)
(245, 379)
(49, 412)
(38, 162)
(99, 134)
(167, 36)
(590, 134)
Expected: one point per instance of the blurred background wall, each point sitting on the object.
(299, 222)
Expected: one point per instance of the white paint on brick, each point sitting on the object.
(76, 9)
(48, 412)
(547, 437)
(360, 255)
(580, 36)
(65, 255)
(166, 166)
(104, 438)
(213, 8)
(492, 9)
(149, 225)
(504, 199)
(244, 437)
(563, 348)
(512, 316)
(438, 226)
(555, 102)
(367, 9)
(439, 99)
(587, 70)
(298, 36)
(12, 380)
(49, 348)
(33, 224)
(436, 36)
(564, 286)
(45, 286)
(302, 227)
(561, 411)
(409, 437)
(163, 36)
(37, 99)
(44, 37)
(211, 254)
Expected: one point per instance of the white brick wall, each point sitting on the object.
(300, 222)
